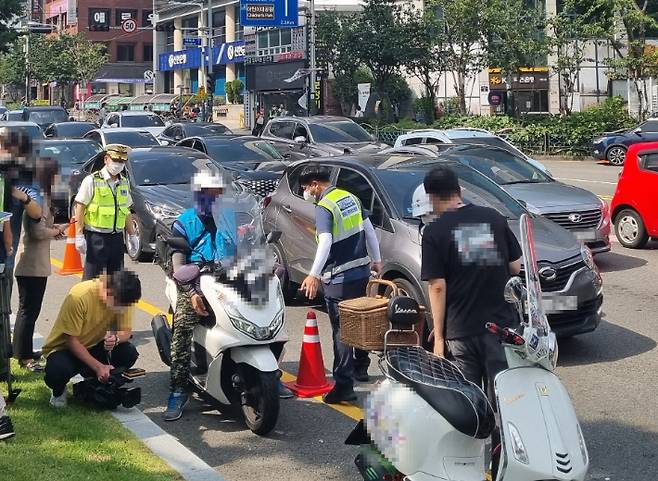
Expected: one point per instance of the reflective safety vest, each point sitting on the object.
(107, 210)
(204, 247)
(348, 249)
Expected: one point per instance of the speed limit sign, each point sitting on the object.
(129, 25)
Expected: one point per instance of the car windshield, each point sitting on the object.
(142, 121)
(165, 169)
(42, 117)
(501, 166)
(206, 130)
(253, 150)
(131, 139)
(14, 116)
(32, 131)
(74, 129)
(341, 131)
(400, 183)
(70, 153)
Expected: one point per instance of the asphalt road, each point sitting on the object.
(612, 375)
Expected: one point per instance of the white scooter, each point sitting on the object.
(235, 350)
(426, 422)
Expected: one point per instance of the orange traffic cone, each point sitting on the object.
(72, 263)
(311, 380)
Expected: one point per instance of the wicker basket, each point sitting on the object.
(364, 320)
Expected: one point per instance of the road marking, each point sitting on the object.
(587, 181)
(348, 410)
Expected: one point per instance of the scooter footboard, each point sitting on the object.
(541, 435)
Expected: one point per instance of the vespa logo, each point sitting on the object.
(399, 310)
(177, 59)
(548, 273)
(575, 217)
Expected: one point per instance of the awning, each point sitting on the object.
(114, 101)
(125, 73)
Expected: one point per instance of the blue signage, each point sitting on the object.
(231, 52)
(269, 13)
(191, 41)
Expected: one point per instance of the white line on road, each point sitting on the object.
(588, 181)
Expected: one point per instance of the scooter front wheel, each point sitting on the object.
(260, 399)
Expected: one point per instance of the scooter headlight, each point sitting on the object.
(249, 328)
(518, 448)
(583, 448)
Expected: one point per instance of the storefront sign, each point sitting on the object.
(231, 52)
(269, 13)
(99, 18)
(495, 98)
(273, 76)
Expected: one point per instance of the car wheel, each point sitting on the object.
(630, 230)
(138, 254)
(616, 155)
(287, 286)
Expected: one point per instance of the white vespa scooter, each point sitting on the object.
(426, 422)
(235, 350)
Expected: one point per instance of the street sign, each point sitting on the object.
(191, 41)
(149, 76)
(269, 13)
(129, 25)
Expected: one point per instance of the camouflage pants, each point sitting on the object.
(185, 319)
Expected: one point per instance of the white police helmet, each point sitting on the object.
(420, 202)
(206, 179)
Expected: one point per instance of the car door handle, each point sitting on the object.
(287, 208)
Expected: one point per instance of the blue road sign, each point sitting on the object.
(269, 13)
(191, 41)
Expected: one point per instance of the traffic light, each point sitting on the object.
(99, 28)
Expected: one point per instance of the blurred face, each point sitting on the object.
(204, 200)
(312, 191)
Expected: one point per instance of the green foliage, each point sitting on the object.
(9, 10)
(234, 90)
(424, 106)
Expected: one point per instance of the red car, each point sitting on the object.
(634, 208)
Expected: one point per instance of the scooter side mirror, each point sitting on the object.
(514, 291)
(273, 237)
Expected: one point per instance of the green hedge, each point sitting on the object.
(549, 134)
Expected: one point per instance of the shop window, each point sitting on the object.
(274, 42)
(148, 53)
(126, 52)
(127, 90)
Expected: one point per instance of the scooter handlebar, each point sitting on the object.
(505, 334)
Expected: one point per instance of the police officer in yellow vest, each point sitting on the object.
(102, 212)
(347, 250)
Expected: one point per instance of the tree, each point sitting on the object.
(635, 61)
(425, 59)
(9, 11)
(379, 32)
(578, 23)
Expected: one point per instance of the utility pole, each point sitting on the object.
(311, 108)
(210, 81)
(27, 69)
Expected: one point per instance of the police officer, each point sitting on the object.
(102, 212)
(345, 238)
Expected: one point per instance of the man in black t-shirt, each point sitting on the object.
(469, 253)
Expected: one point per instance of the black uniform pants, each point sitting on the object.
(346, 358)
(104, 253)
(62, 365)
(30, 296)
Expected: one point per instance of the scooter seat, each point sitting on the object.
(442, 385)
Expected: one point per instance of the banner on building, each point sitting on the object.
(364, 95)
(72, 12)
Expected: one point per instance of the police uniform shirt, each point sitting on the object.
(86, 191)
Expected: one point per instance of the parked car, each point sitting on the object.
(130, 137)
(69, 130)
(71, 155)
(613, 146)
(243, 155)
(135, 119)
(574, 208)
(12, 116)
(3, 109)
(29, 128)
(45, 116)
(159, 184)
(319, 136)
(634, 207)
(462, 136)
(181, 130)
(567, 267)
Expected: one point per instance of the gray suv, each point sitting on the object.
(320, 136)
(384, 184)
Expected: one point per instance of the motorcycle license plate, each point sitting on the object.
(559, 303)
(585, 235)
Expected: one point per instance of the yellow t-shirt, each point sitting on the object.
(84, 315)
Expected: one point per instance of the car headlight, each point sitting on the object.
(599, 140)
(588, 258)
(161, 212)
(252, 330)
(518, 448)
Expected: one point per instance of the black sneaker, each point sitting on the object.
(339, 394)
(361, 375)
(6, 428)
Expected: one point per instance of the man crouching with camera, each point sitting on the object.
(92, 332)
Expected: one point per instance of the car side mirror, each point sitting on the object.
(273, 237)
(638, 131)
(514, 292)
(300, 140)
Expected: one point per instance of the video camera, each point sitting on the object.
(113, 393)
